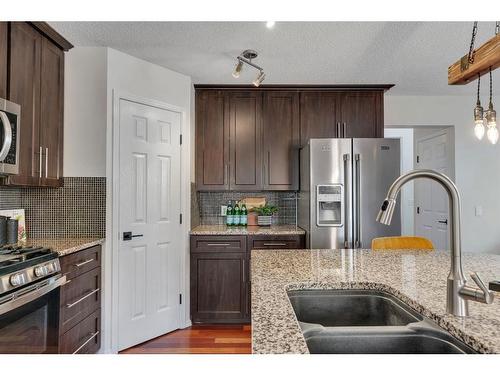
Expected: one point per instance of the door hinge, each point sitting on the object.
(418, 159)
(180, 218)
(180, 299)
(418, 210)
(180, 140)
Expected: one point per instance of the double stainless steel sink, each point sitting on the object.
(367, 322)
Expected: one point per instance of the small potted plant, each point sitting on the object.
(265, 214)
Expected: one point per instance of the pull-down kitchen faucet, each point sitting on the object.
(458, 293)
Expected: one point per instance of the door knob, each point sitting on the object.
(127, 236)
(445, 221)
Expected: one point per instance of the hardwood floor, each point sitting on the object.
(206, 339)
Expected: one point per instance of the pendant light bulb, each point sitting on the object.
(237, 69)
(492, 134)
(479, 130)
(478, 114)
(260, 77)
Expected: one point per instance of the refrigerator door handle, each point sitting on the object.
(346, 200)
(357, 199)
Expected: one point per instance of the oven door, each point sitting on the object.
(29, 322)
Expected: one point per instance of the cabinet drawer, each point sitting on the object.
(276, 242)
(204, 244)
(80, 297)
(78, 263)
(84, 338)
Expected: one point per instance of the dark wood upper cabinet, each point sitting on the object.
(52, 112)
(4, 42)
(36, 82)
(280, 131)
(248, 139)
(212, 141)
(319, 117)
(245, 146)
(24, 89)
(361, 114)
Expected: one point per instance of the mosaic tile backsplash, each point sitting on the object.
(209, 205)
(78, 209)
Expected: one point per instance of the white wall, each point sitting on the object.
(85, 112)
(407, 196)
(477, 164)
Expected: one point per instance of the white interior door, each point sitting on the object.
(431, 201)
(149, 264)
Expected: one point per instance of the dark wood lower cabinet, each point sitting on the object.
(220, 274)
(80, 308)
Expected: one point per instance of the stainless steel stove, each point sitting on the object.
(30, 281)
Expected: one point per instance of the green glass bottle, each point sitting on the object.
(243, 215)
(236, 215)
(229, 215)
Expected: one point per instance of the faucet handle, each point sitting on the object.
(488, 295)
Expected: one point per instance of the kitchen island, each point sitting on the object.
(418, 278)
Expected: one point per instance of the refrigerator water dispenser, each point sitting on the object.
(329, 203)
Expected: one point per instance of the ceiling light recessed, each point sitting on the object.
(270, 24)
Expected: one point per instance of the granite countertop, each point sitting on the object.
(66, 246)
(250, 230)
(417, 278)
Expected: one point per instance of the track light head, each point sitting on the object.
(237, 69)
(260, 77)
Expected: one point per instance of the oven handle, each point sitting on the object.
(7, 140)
(39, 291)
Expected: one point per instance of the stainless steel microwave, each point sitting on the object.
(10, 116)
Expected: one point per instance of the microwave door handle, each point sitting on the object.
(7, 139)
(22, 300)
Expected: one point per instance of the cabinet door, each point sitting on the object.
(4, 42)
(362, 115)
(318, 115)
(24, 89)
(245, 124)
(52, 112)
(212, 141)
(280, 132)
(219, 292)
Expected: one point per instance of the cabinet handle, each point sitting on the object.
(81, 264)
(344, 126)
(244, 273)
(219, 244)
(339, 134)
(92, 336)
(274, 244)
(70, 305)
(226, 173)
(46, 162)
(41, 155)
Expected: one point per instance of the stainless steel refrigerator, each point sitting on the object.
(343, 182)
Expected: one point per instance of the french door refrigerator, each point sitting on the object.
(343, 182)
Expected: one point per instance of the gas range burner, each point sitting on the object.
(17, 249)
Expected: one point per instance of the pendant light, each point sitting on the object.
(478, 114)
(491, 117)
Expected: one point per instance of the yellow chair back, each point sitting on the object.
(402, 243)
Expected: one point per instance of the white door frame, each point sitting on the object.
(111, 266)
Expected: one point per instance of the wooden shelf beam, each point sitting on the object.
(461, 72)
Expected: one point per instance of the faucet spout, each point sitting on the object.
(457, 292)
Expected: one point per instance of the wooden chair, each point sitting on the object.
(402, 243)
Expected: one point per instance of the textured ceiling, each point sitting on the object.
(412, 55)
